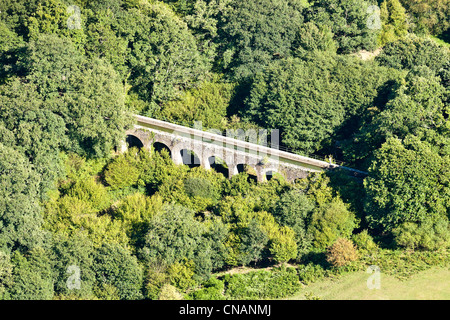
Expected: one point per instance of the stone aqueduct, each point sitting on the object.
(209, 148)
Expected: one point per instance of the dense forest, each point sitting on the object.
(365, 82)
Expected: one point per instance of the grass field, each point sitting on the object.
(433, 284)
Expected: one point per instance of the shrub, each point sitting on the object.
(265, 284)
(341, 253)
(181, 273)
(427, 235)
(329, 222)
(116, 266)
(122, 172)
(155, 280)
(169, 292)
(311, 273)
(294, 210)
(91, 192)
(364, 242)
(213, 289)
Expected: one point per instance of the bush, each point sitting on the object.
(181, 274)
(277, 283)
(116, 266)
(200, 187)
(213, 289)
(330, 222)
(91, 192)
(311, 273)
(427, 235)
(341, 253)
(169, 292)
(364, 242)
(155, 280)
(122, 172)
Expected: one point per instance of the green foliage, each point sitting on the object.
(66, 99)
(413, 51)
(364, 242)
(313, 38)
(255, 33)
(311, 273)
(154, 281)
(348, 22)
(181, 275)
(305, 111)
(408, 182)
(77, 251)
(169, 292)
(122, 172)
(115, 266)
(264, 284)
(404, 263)
(54, 17)
(430, 235)
(10, 39)
(207, 104)
(197, 187)
(212, 289)
(330, 222)
(71, 215)
(173, 235)
(253, 243)
(135, 212)
(394, 21)
(164, 58)
(32, 276)
(90, 191)
(20, 216)
(294, 210)
(429, 16)
(6, 279)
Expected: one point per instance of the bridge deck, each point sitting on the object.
(243, 145)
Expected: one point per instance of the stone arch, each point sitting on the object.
(267, 174)
(133, 141)
(190, 158)
(218, 164)
(160, 146)
(249, 169)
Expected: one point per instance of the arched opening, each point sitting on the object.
(269, 175)
(159, 147)
(133, 141)
(190, 158)
(249, 170)
(219, 165)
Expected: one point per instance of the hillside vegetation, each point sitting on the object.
(364, 82)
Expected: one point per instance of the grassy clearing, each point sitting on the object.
(432, 284)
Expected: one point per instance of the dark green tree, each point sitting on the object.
(408, 182)
(115, 266)
(252, 34)
(72, 255)
(413, 51)
(348, 20)
(175, 234)
(163, 58)
(294, 209)
(20, 214)
(253, 243)
(298, 98)
(32, 276)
